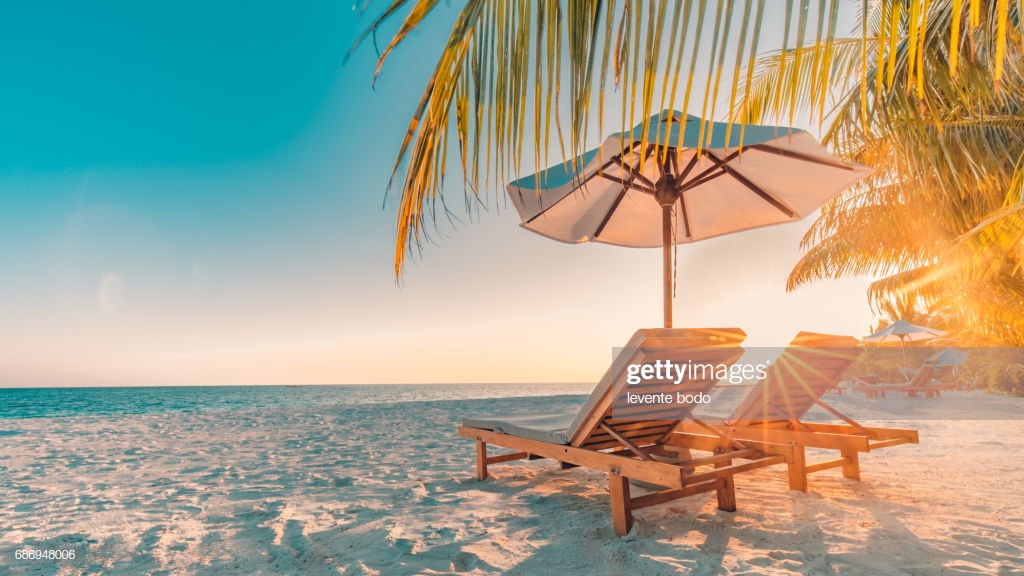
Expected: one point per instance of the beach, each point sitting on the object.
(389, 488)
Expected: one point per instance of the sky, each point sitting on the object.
(194, 194)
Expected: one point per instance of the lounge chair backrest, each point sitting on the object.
(714, 345)
(923, 375)
(811, 365)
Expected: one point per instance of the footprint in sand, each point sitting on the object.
(464, 562)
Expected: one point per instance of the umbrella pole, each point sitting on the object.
(906, 365)
(666, 260)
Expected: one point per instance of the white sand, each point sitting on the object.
(389, 489)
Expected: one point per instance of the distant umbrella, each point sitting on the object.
(694, 181)
(949, 357)
(904, 332)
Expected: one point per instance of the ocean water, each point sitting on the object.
(55, 402)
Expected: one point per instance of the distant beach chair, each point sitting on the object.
(632, 445)
(772, 411)
(921, 382)
(869, 380)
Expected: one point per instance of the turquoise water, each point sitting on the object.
(49, 402)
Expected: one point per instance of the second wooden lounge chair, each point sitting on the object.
(773, 410)
(636, 447)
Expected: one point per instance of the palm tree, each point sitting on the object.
(497, 90)
(942, 218)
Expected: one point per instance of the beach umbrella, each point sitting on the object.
(949, 357)
(904, 332)
(690, 183)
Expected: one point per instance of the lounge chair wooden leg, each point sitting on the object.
(622, 515)
(727, 494)
(481, 460)
(727, 490)
(851, 464)
(797, 464)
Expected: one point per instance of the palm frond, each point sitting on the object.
(505, 62)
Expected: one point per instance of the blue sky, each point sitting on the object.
(150, 84)
(192, 193)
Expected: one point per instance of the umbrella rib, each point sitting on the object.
(686, 171)
(583, 182)
(778, 204)
(798, 156)
(608, 216)
(686, 217)
(719, 163)
(618, 199)
(698, 181)
(628, 183)
(635, 170)
(617, 159)
(757, 190)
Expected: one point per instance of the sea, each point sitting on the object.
(69, 401)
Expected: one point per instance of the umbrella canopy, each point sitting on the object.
(703, 186)
(903, 331)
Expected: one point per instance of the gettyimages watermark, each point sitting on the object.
(667, 370)
(679, 373)
(871, 383)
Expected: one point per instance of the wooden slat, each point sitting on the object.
(638, 430)
(836, 413)
(703, 442)
(886, 443)
(723, 457)
(632, 435)
(869, 431)
(709, 443)
(612, 443)
(626, 442)
(635, 432)
(656, 498)
(811, 439)
(507, 457)
(734, 469)
(659, 473)
(823, 465)
(907, 388)
(627, 425)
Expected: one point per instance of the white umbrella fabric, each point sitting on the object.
(702, 187)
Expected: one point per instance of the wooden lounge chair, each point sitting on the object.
(772, 411)
(632, 445)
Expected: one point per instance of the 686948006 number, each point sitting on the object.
(30, 554)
